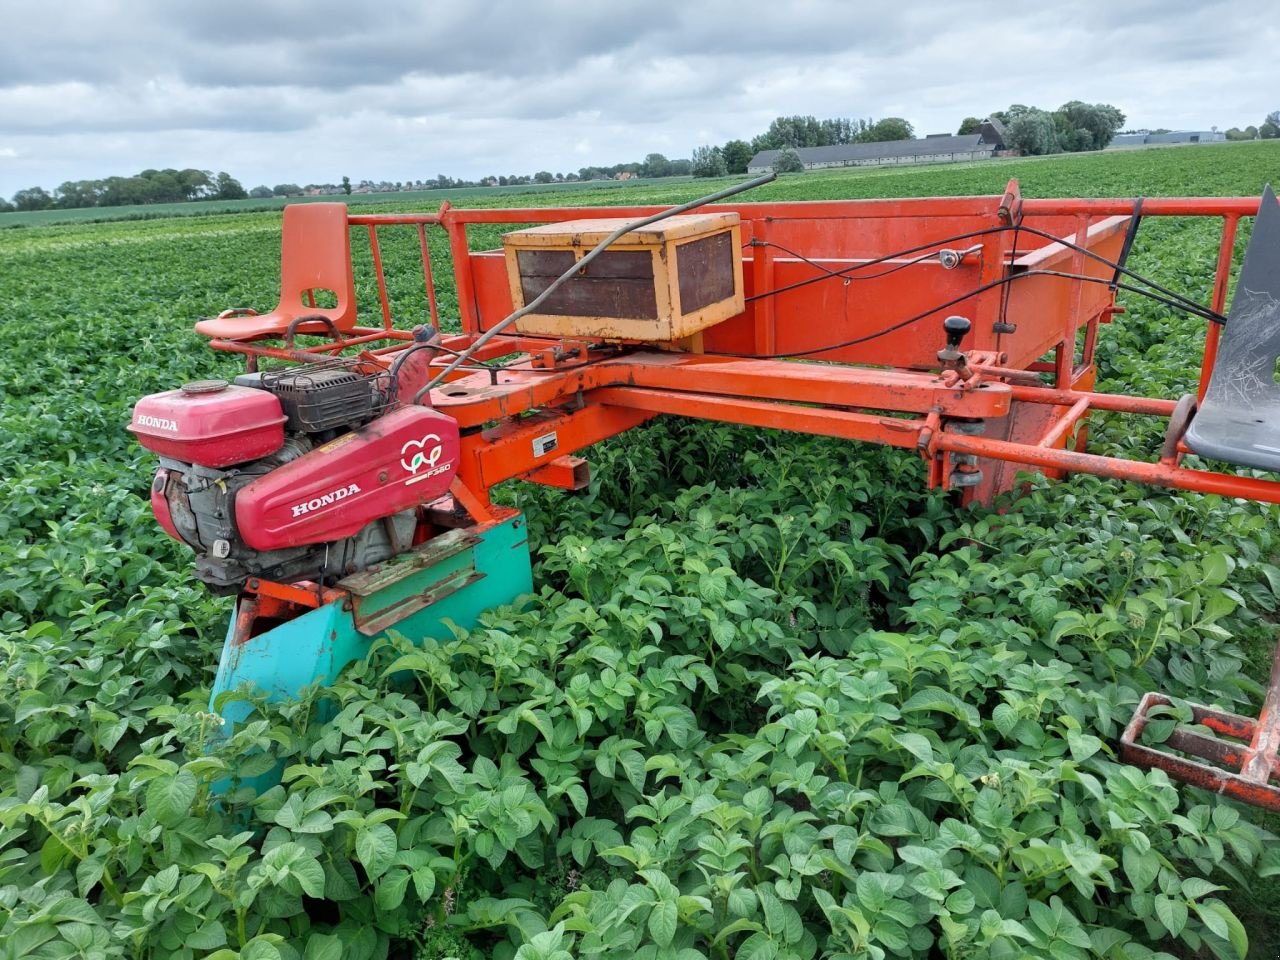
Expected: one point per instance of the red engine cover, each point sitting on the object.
(210, 423)
(402, 459)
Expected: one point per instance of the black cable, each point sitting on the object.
(986, 231)
(1198, 310)
(1130, 235)
(1120, 268)
(1182, 301)
(843, 274)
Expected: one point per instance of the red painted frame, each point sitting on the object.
(1030, 423)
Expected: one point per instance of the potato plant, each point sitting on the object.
(771, 701)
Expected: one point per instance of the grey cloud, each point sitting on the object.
(408, 89)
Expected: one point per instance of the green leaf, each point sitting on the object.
(1269, 863)
(662, 923)
(1171, 913)
(169, 798)
(1140, 868)
(391, 888)
(376, 848)
(758, 946)
(1193, 888)
(321, 946)
(1082, 746)
(259, 949)
(210, 936)
(916, 745)
(1005, 717)
(1217, 916)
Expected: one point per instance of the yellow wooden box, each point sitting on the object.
(666, 281)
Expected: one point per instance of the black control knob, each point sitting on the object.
(957, 328)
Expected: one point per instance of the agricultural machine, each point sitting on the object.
(340, 487)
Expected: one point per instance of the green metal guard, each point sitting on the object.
(454, 577)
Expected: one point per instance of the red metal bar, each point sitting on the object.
(1114, 402)
(1151, 207)
(766, 340)
(862, 209)
(391, 219)
(426, 274)
(1067, 356)
(382, 280)
(867, 388)
(1226, 248)
(1154, 474)
(464, 280)
(1069, 419)
(890, 431)
(1262, 761)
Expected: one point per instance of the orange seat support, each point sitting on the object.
(315, 254)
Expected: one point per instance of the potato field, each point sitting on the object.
(772, 700)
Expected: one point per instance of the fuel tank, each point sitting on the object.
(403, 458)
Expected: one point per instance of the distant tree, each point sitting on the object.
(1031, 130)
(1251, 132)
(163, 186)
(1235, 133)
(840, 130)
(261, 193)
(890, 128)
(708, 162)
(1274, 117)
(196, 184)
(682, 167)
(571, 178)
(969, 125)
(6, 206)
(286, 190)
(76, 193)
(33, 198)
(737, 154)
(1086, 126)
(1268, 131)
(788, 161)
(124, 191)
(346, 186)
(796, 131)
(655, 165)
(544, 176)
(229, 187)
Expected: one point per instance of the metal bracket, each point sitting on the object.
(1242, 766)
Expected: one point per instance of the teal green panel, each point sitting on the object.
(460, 578)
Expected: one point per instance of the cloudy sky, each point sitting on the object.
(309, 90)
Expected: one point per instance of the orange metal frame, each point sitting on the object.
(828, 283)
(882, 388)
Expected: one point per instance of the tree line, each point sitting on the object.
(788, 133)
(1075, 126)
(1269, 129)
(149, 186)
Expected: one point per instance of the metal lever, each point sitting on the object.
(956, 328)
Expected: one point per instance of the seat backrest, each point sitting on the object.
(315, 255)
(1245, 369)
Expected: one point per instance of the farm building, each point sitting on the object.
(1174, 137)
(936, 148)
